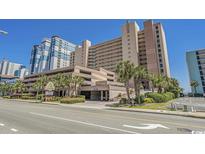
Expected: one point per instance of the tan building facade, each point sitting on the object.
(98, 84)
(145, 47)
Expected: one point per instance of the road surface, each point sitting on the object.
(30, 118)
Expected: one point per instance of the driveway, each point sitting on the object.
(91, 104)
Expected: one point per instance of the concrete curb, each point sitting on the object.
(23, 100)
(51, 103)
(185, 114)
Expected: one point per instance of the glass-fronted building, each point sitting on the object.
(50, 54)
(196, 67)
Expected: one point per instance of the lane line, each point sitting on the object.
(143, 119)
(85, 123)
(14, 130)
(2, 124)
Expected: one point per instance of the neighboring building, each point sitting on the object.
(196, 67)
(44, 55)
(8, 78)
(50, 54)
(8, 68)
(98, 84)
(35, 59)
(145, 47)
(60, 53)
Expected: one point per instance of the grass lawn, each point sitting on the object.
(153, 106)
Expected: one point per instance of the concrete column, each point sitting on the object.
(101, 95)
(106, 95)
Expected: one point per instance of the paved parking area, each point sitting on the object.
(197, 102)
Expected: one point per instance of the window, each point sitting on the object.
(158, 45)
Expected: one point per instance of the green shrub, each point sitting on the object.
(168, 96)
(142, 97)
(157, 97)
(55, 98)
(80, 96)
(160, 97)
(7, 97)
(27, 97)
(72, 100)
(123, 101)
(148, 100)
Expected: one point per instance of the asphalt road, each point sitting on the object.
(31, 118)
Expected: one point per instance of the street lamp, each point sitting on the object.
(3, 32)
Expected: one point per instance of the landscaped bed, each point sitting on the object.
(72, 100)
(153, 106)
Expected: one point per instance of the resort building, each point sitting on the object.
(99, 84)
(146, 47)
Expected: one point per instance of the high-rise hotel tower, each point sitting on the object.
(146, 47)
(50, 54)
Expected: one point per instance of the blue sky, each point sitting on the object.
(181, 35)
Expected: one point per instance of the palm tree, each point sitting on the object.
(125, 72)
(59, 82)
(68, 84)
(77, 81)
(40, 84)
(5, 88)
(140, 74)
(152, 78)
(194, 84)
(160, 83)
(19, 86)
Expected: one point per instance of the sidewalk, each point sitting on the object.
(177, 113)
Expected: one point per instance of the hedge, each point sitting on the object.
(148, 100)
(160, 97)
(7, 97)
(72, 100)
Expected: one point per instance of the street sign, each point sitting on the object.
(49, 93)
(49, 87)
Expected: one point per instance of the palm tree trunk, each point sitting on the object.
(37, 94)
(128, 93)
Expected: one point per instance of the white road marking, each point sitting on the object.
(147, 126)
(2, 124)
(14, 130)
(85, 123)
